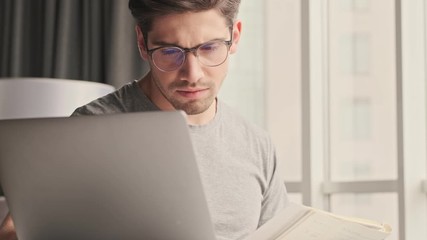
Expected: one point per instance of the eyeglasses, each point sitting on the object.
(210, 54)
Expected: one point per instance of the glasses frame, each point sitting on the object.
(188, 50)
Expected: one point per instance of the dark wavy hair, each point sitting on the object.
(145, 11)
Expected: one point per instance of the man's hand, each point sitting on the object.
(7, 229)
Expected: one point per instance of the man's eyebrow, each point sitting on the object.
(162, 43)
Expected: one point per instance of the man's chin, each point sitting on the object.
(194, 108)
(194, 111)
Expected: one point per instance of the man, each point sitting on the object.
(187, 44)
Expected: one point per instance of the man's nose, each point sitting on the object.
(192, 69)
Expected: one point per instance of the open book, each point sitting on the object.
(298, 222)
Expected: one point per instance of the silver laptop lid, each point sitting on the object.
(125, 176)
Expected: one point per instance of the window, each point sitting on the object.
(244, 87)
(341, 87)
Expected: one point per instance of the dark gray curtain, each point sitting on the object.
(91, 40)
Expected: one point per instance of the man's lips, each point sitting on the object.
(192, 93)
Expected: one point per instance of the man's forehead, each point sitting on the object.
(189, 27)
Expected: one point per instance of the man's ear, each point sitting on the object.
(141, 43)
(237, 31)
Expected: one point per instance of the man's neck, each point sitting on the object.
(152, 92)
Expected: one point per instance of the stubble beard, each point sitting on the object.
(191, 107)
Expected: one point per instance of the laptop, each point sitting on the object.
(124, 176)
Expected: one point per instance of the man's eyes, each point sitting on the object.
(170, 51)
(209, 47)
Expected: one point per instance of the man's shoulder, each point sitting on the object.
(232, 118)
(119, 101)
(107, 104)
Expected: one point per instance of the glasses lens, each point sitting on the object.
(213, 53)
(168, 58)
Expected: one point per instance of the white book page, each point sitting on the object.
(298, 222)
(324, 227)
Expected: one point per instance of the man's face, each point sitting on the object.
(193, 87)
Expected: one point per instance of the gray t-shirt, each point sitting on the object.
(237, 163)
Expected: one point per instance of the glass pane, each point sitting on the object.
(362, 90)
(244, 87)
(283, 83)
(380, 207)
